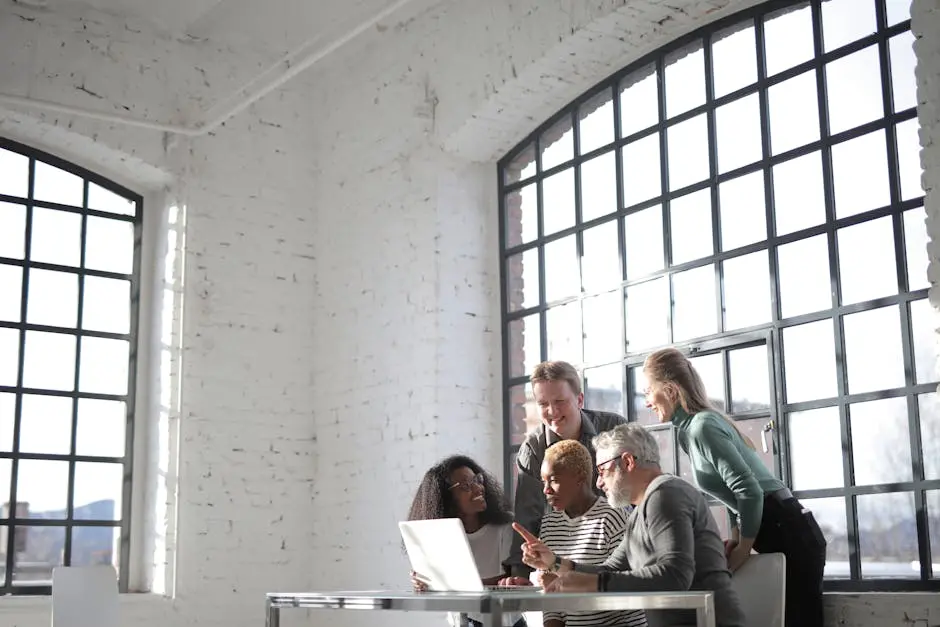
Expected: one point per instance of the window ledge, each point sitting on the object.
(28, 604)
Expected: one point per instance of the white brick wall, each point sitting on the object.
(341, 299)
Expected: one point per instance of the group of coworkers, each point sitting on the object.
(594, 512)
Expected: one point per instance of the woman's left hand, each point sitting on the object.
(737, 556)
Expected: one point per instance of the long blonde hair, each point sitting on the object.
(669, 366)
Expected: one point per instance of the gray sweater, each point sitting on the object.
(673, 543)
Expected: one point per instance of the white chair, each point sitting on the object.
(761, 585)
(84, 596)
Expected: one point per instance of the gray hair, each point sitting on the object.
(630, 438)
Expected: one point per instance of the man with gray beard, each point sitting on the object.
(671, 539)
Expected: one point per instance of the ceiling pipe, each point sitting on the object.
(283, 70)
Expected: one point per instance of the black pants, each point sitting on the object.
(786, 528)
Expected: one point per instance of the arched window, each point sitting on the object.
(750, 193)
(69, 292)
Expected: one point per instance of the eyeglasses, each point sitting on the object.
(601, 470)
(467, 486)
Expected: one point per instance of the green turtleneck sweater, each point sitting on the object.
(725, 467)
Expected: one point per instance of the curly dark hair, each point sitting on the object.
(435, 499)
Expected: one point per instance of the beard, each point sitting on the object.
(619, 493)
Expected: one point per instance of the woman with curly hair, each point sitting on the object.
(458, 487)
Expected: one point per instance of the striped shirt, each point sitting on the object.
(588, 539)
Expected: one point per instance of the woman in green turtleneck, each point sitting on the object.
(765, 515)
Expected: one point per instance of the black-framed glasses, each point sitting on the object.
(601, 470)
(467, 486)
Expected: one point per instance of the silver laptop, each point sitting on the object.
(439, 551)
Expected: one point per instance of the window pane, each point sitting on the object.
(57, 237)
(873, 354)
(853, 90)
(43, 549)
(46, 424)
(523, 414)
(563, 326)
(14, 174)
(752, 429)
(53, 298)
(55, 185)
(643, 246)
(909, 170)
(13, 233)
(525, 338)
(49, 361)
(98, 491)
(603, 340)
(521, 216)
(558, 202)
(101, 426)
(888, 536)
(860, 174)
(880, 431)
(898, 11)
(750, 379)
(596, 122)
(561, 269)
(7, 414)
(788, 38)
(92, 546)
(641, 413)
(809, 361)
(747, 290)
(9, 356)
(712, 371)
(803, 272)
(799, 201)
(647, 315)
(667, 449)
(688, 152)
(522, 165)
(743, 215)
(11, 286)
(933, 525)
(845, 21)
(738, 133)
(685, 79)
(107, 304)
(929, 407)
(734, 62)
(641, 170)
(43, 484)
(598, 187)
(639, 101)
(695, 313)
(815, 449)
(903, 79)
(522, 272)
(104, 366)
(830, 516)
(794, 113)
(867, 267)
(915, 247)
(557, 143)
(600, 264)
(691, 222)
(925, 342)
(603, 389)
(102, 199)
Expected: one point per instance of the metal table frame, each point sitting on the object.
(492, 603)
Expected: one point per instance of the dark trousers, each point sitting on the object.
(786, 528)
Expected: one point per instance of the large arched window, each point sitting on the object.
(69, 292)
(752, 194)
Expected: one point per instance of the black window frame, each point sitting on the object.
(530, 150)
(69, 523)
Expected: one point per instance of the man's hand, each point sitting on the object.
(514, 581)
(729, 546)
(534, 552)
(572, 581)
(545, 578)
(419, 582)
